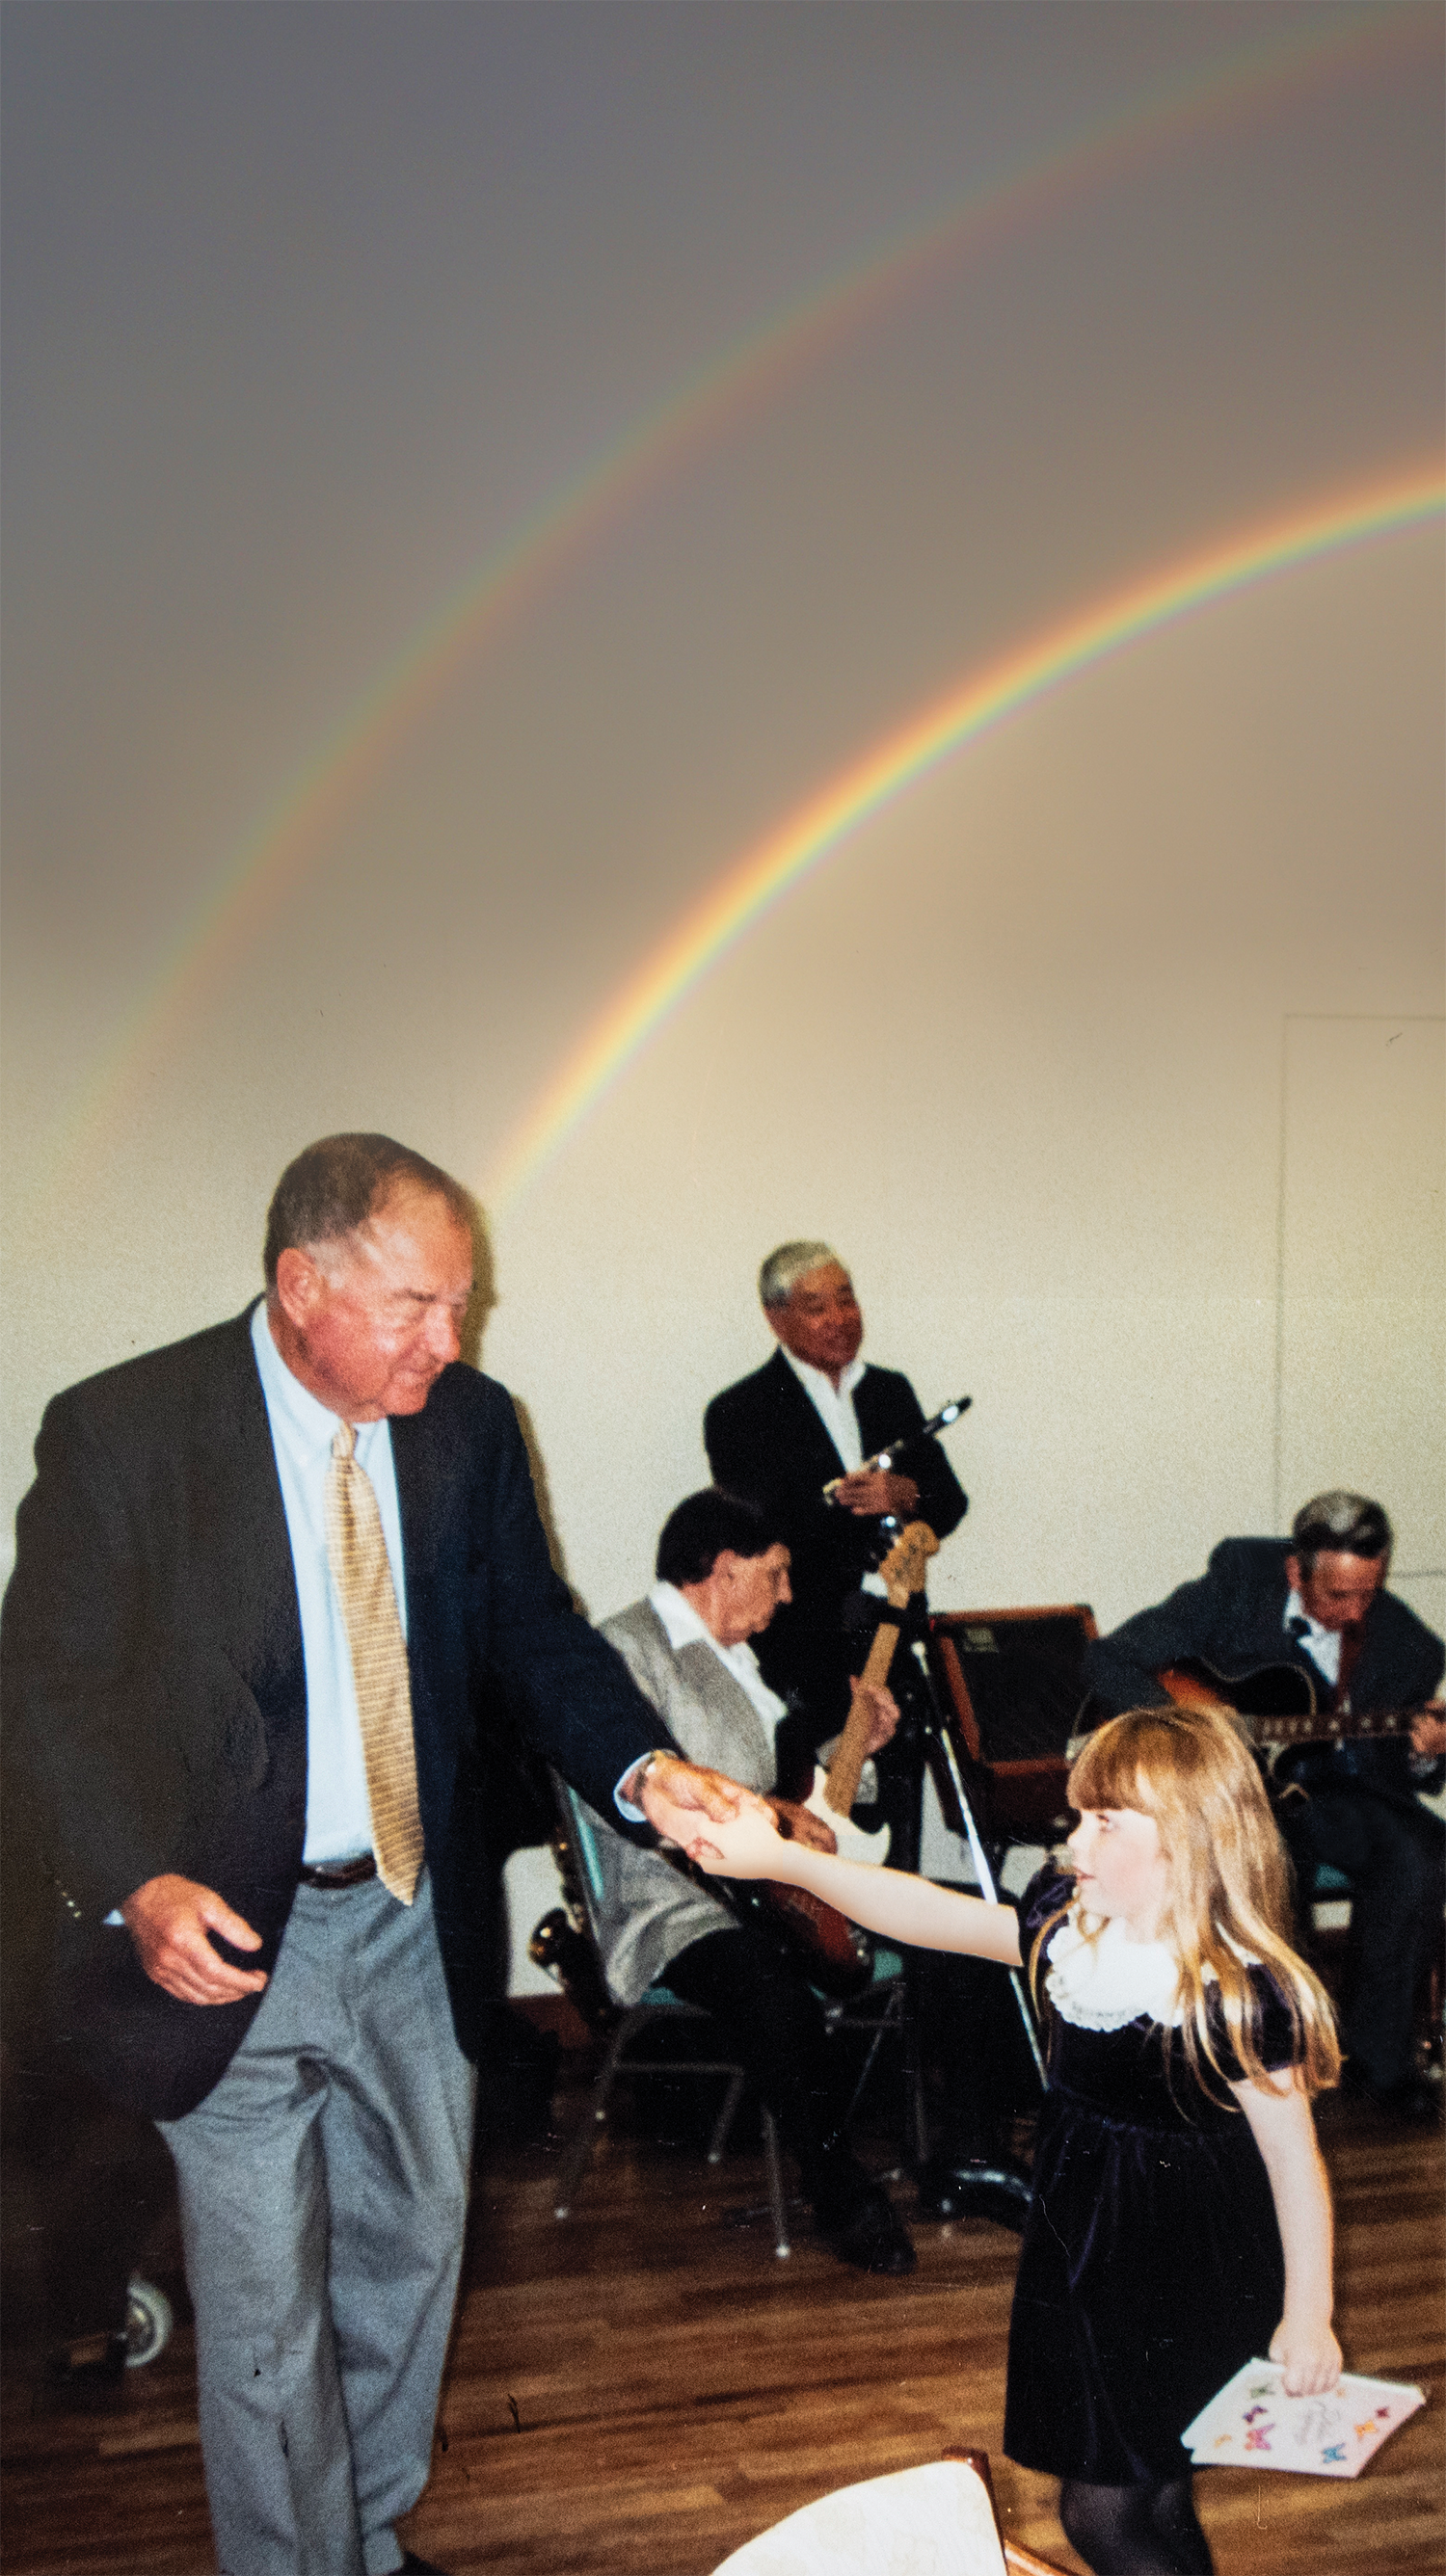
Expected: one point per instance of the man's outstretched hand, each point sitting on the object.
(673, 1783)
(169, 1919)
(1428, 1730)
(883, 1713)
(747, 1845)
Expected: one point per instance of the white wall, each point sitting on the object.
(1021, 1049)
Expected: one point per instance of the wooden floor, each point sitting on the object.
(646, 2385)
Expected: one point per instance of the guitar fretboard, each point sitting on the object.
(1275, 1705)
(1323, 1728)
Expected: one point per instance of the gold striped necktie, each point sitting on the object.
(357, 1552)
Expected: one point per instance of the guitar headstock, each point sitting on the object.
(905, 1567)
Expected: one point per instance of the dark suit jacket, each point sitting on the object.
(156, 1694)
(1232, 1619)
(765, 1440)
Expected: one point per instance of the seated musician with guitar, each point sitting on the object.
(722, 1572)
(1303, 1640)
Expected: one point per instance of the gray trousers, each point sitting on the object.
(323, 2189)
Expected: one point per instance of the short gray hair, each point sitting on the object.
(1340, 1524)
(784, 1268)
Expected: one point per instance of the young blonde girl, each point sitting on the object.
(1181, 2220)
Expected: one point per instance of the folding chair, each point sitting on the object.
(658, 2007)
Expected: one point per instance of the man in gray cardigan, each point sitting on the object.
(722, 1572)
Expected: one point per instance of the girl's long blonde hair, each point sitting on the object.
(1229, 1880)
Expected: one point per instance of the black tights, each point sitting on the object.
(1135, 2531)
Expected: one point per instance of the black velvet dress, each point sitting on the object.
(1151, 2267)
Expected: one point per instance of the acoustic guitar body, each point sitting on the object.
(1272, 1690)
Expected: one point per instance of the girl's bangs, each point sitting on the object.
(1107, 1772)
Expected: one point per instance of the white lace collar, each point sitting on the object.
(1106, 1983)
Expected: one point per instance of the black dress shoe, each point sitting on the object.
(93, 2362)
(86, 2378)
(994, 2187)
(413, 2566)
(873, 2239)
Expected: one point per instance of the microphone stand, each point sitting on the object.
(924, 1741)
(883, 1459)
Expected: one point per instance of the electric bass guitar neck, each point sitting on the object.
(835, 1953)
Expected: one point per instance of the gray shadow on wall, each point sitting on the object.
(484, 1283)
(474, 1326)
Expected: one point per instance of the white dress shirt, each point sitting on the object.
(1323, 1645)
(338, 1812)
(834, 1405)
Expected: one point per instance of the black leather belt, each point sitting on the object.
(341, 1873)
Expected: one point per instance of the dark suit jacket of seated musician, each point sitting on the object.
(1233, 1619)
(1361, 1814)
(765, 1440)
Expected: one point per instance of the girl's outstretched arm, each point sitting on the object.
(883, 1900)
(1284, 2131)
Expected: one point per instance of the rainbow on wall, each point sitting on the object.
(1261, 77)
(967, 710)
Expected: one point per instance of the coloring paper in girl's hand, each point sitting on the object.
(1252, 2424)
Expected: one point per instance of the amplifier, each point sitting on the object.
(1012, 1679)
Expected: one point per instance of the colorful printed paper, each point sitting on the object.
(1252, 2424)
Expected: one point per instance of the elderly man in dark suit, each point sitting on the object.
(810, 1418)
(722, 1574)
(1317, 1602)
(260, 1578)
